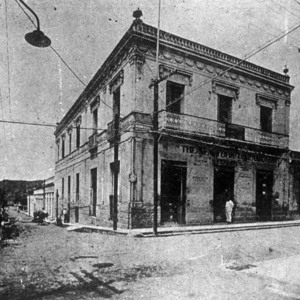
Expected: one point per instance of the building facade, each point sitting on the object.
(43, 198)
(223, 132)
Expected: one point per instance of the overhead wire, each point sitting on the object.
(45, 124)
(268, 31)
(8, 57)
(292, 13)
(60, 57)
(268, 44)
(297, 2)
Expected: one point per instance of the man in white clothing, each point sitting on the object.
(228, 208)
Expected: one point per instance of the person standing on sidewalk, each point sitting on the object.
(228, 209)
(65, 215)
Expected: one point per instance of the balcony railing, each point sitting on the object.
(202, 126)
(111, 131)
(93, 141)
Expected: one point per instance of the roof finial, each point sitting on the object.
(137, 15)
(285, 70)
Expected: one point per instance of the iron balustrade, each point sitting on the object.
(203, 126)
(93, 141)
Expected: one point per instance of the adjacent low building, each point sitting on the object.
(223, 132)
(43, 198)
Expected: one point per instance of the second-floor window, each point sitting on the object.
(62, 187)
(70, 142)
(116, 104)
(95, 120)
(266, 118)
(58, 151)
(224, 109)
(77, 136)
(174, 97)
(77, 186)
(69, 188)
(63, 148)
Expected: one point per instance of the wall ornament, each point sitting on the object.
(264, 100)
(116, 82)
(226, 89)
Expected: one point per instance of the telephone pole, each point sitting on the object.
(155, 84)
(116, 170)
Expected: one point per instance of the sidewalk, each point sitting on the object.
(169, 231)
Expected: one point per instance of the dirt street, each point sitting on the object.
(48, 262)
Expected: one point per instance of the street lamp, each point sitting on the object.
(37, 37)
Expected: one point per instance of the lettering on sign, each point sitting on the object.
(200, 178)
(245, 175)
(188, 149)
(229, 163)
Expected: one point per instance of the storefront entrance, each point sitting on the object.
(94, 190)
(173, 191)
(264, 186)
(223, 189)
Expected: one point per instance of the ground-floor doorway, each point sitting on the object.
(94, 190)
(173, 192)
(264, 188)
(223, 189)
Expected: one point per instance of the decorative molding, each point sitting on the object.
(70, 129)
(188, 45)
(180, 75)
(287, 102)
(137, 59)
(264, 100)
(280, 89)
(95, 103)
(226, 89)
(63, 136)
(78, 121)
(116, 82)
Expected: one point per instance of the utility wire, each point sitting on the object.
(60, 57)
(44, 124)
(265, 25)
(269, 43)
(55, 51)
(297, 2)
(283, 7)
(8, 58)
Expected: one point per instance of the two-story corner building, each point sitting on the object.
(223, 125)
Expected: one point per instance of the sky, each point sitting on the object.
(37, 87)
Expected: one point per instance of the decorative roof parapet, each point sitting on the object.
(208, 52)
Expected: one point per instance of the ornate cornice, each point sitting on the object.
(78, 121)
(211, 69)
(136, 58)
(225, 88)
(214, 55)
(95, 103)
(117, 81)
(266, 101)
(181, 76)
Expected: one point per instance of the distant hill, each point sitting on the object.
(13, 191)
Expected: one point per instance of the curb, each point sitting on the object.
(147, 233)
